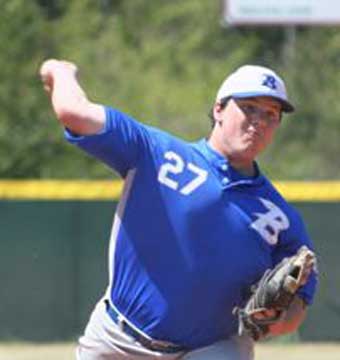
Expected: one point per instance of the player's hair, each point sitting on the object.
(223, 102)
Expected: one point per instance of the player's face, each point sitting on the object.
(246, 127)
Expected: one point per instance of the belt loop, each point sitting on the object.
(120, 322)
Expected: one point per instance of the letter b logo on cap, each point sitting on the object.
(269, 81)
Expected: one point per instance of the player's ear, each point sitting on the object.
(217, 112)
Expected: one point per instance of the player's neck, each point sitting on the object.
(244, 166)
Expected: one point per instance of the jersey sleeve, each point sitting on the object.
(121, 143)
(289, 244)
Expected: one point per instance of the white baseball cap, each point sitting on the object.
(251, 81)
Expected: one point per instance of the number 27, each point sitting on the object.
(177, 166)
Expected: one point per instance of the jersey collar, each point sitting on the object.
(228, 175)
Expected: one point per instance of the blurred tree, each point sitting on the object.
(308, 141)
(25, 144)
(162, 62)
(53, 9)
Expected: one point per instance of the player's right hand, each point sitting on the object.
(49, 68)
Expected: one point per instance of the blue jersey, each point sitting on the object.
(190, 235)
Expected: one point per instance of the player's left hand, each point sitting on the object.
(274, 294)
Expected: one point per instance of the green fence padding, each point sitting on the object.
(323, 223)
(53, 267)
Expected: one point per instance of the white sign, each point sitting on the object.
(283, 12)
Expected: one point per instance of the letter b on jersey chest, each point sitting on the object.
(271, 223)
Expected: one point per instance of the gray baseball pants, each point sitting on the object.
(104, 340)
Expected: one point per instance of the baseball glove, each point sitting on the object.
(273, 294)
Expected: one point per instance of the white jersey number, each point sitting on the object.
(175, 166)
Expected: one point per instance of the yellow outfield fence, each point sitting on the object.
(60, 189)
(319, 191)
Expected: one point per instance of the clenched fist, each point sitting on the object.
(49, 68)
